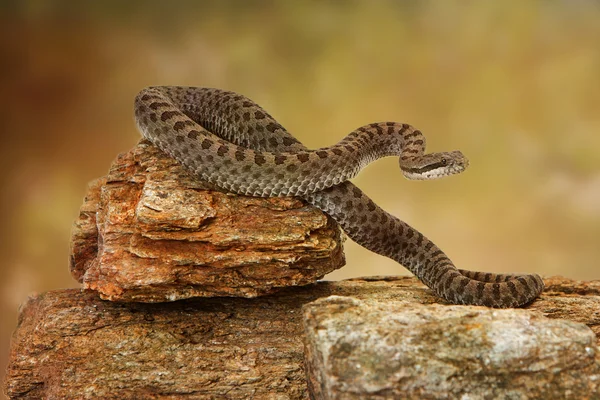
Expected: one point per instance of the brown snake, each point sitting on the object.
(228, 140)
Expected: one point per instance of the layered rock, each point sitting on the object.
(70, 344)
(395, 349)
(150, 232)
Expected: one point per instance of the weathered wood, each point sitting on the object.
(70, 344)
(150, 232)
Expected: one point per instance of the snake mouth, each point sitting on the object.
(418, 174)
(434, 165)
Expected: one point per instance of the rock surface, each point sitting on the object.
(150, 232)
(396, 349)
(70, 344)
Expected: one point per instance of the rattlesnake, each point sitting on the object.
(231, 142)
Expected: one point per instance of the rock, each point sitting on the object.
(151, 232)
(396, 349)
(70, 344)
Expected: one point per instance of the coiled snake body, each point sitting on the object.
(228, 140)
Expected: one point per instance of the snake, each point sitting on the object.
(229, 141)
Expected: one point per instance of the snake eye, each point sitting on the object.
(444, 161)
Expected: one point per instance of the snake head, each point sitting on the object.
(434, 165)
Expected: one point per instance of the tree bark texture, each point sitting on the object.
(71, 344)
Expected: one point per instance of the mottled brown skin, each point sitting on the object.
(228, 140)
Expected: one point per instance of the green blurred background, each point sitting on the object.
(513, 84)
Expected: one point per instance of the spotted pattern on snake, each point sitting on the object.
(228, 140)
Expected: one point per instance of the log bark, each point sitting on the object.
(71, 344)
(151, 232)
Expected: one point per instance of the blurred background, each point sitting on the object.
(513, 84)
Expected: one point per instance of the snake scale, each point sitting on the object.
(231, 142)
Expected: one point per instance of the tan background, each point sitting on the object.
(514, 84)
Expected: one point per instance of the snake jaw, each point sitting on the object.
(434, 173)
(436, 165)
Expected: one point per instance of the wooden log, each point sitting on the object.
(151, 232)
(70, 344)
